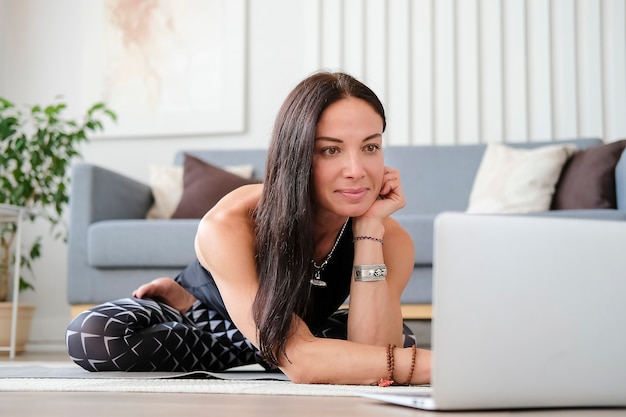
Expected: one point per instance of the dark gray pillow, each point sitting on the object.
(203, 186)
(587, 180)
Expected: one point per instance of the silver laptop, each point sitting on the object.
(528, 312)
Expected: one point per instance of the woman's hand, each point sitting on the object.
(391, 197)
(167, 291)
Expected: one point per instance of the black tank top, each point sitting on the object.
(322, 301)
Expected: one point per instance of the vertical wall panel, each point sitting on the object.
(443, 72)
(563, 69)
(589, 69)
(331, 54)
(472, 71)
(614, 69)
(539, 70)
(354, 38)
(514, 71)
(421, 71)
(491, 71)
(399, 60)
(312, 9)
(467, 77)
(376, 47)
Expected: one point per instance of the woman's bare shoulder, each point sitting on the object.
(236, 205)
(228, 224)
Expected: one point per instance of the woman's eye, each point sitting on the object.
(331, 150)
(372, 147)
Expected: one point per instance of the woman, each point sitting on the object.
(275, 261)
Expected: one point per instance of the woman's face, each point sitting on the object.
(348, 163)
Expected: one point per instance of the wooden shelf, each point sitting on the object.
(14, 214)
(417, 311)
(409, 311)
(413, 311)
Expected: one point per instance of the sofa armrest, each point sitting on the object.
(100, 194)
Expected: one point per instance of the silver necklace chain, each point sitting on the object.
(317, 278)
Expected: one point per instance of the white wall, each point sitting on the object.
(449, 71)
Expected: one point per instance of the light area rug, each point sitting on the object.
(245, 380)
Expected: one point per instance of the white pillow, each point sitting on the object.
(517, 180)
(166, 182)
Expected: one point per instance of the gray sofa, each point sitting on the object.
(113, 248)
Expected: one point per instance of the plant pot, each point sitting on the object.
(24, 319)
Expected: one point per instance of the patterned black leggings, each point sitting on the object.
(133, 334)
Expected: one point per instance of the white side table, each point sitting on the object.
(14, 214)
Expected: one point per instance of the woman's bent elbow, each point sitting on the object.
(302, 374)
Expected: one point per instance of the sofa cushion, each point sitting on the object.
(141, 243)
(439, 178)
(166, 183)
(588, 179)
(513, 180)
(203, 186)
(435, 178)
(420, 227)
(223, 158)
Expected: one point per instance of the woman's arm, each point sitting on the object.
(225, 246)
(375, 316)
(168, 291)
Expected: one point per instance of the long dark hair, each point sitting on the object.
(284, 216)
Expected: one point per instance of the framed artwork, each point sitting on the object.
(167, 67)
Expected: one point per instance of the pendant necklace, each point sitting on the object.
(317, 281)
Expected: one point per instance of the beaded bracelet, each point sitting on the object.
(413, 355)
(390, 365)
(367, 238)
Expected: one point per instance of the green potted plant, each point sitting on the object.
(37, 147)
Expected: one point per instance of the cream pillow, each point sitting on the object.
(517, 180)
(166, 182)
